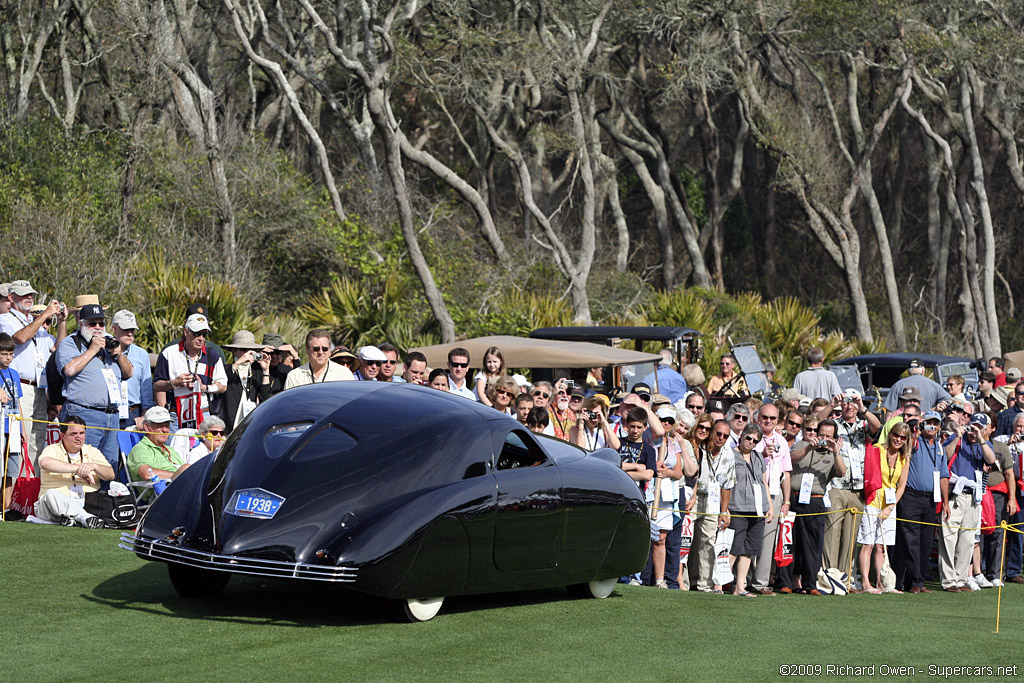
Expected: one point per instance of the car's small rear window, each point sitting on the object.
(329, 442)
(281, 438)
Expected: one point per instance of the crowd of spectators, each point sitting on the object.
(814, 466)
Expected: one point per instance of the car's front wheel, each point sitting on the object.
(420, 609)
(593, 589)
(191, 582)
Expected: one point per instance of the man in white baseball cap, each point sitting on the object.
(370, 360)
(137, 396)
(189, 373)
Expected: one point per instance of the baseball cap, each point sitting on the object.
(125, 320)
(196, 308)
(641, 388)
(371, 353)
(197, 322)
(931, 415)
(157, 415)
(852, 392)
(520, 381)
(910, 394)
(576, 392)
(91, 312)
(980, 419)
(915, 363)
(1013, 374)
(666, 412)
(21, 288)
(5, 288)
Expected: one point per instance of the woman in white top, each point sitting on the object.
(663, 496)
(592, 430)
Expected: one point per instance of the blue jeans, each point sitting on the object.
(102, 439)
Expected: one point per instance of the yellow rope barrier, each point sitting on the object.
(105, 429)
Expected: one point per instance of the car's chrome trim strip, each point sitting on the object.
(166, 551)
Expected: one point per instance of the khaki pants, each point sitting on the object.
(762, 567)
(705, 531)
(957, 549)
(841, 529)
(34, 405)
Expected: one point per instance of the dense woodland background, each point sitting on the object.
(805, 171)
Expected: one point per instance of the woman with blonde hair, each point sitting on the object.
(502, 394)
(888, 466)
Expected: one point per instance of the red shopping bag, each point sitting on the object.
(988, 513)
(26, 486)
(784, 541)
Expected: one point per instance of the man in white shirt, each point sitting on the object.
(187, 372)
(33, 345)
(319, 368)
(458, 367)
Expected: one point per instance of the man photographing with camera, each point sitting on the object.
(93, 367)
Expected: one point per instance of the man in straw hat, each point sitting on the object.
(33, 345)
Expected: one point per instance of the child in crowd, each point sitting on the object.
(494, 367)
(537, 420)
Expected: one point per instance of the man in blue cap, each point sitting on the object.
(927, 485)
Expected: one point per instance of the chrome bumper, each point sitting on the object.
(165, 551)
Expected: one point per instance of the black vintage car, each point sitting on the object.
(399, 491)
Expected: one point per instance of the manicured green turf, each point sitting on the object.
(76, 608)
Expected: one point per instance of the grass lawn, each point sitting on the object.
(76, 607)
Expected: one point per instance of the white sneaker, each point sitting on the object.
(661, 583)
(973, 585)
(635, 582)
(997, 583)
(982, 581)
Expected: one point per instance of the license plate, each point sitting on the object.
(256, 503)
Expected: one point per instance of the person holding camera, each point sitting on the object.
(94, 366)
(248, 377)
(138, 391)
(968, 449)
(592, 429)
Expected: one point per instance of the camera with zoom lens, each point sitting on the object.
(109, 343)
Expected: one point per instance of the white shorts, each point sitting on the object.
(663, 517)
(876, 531)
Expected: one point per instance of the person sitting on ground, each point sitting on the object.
(537, 420)
(70, 468)
(438, 379)
(211, 436)
(501, 394)
(494, 367)
(152, 457)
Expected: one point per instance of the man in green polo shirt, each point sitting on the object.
(152, 455)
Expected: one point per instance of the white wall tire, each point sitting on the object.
(421, 609)
(593, 589)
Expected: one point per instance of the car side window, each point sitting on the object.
(518, 452)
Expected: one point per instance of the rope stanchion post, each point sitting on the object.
(853, 549)
(1002, 567)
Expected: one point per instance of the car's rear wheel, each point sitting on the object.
(593, 589)
(191, 582)
(421, 609)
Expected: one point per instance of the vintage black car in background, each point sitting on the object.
(398, 491)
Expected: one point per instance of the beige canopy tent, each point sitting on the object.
(1013, 359)
(523, 352)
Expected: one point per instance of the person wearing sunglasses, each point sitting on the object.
(856, 427)
(319, 368)
(562, 417)
(738, 418)
(694, 402)
(389, 365)
(815, 463)
(249, 379)
(502, 395)
(716, 476)
(729, 383)
(774, 448)
(371, 359)
(885, 481)
(750, 507)
(988, 400)
(211, 436)
(458, 368)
